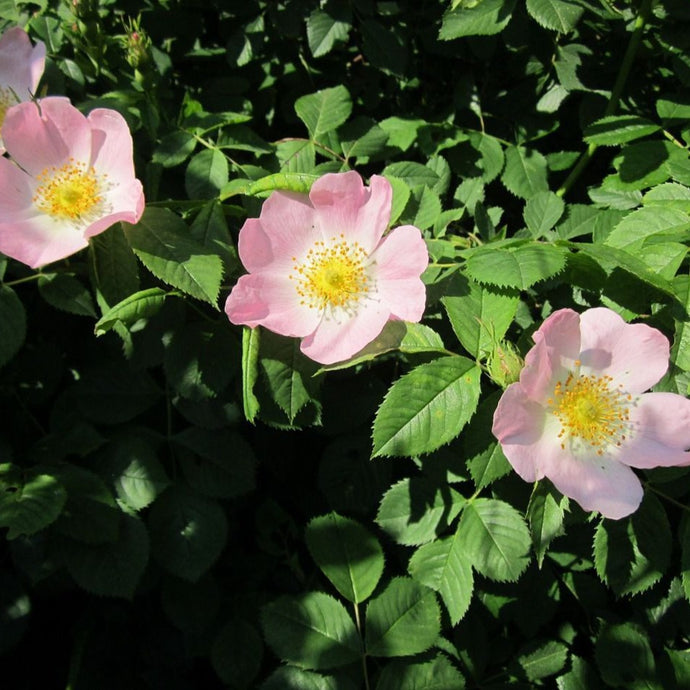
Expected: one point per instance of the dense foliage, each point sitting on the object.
(186, 503)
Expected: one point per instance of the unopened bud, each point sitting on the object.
(504, 364)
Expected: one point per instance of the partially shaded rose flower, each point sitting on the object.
(580, 416)
(21, 67)
(321, 269)
(70, 177)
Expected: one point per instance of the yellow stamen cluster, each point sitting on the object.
(7, 100)
(71, 191)
(332, 275)
(592, 410)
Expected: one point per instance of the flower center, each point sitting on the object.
(332, 275)
(71, 191)
(590, 409)
(7, 100)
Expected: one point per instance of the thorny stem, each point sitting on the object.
(616, 92)
(364, 656)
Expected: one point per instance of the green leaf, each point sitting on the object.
(140, 305)
(30, 503)
(624, 657)
(210, 229)
(293, 678)
(297, 182)
(438, 674)
(557, 15)
(288, 374)
(442, 565)
(133, 467)
(313, 631)
(161, 241)
(680, 351)
(220, 463)
(579, 221)
(545, 514)
(482, 18)
(250, 371)
(673, 111)
(236, 654)
(633, 554)
(580, 677)
(525, 172)
(113, 265)
(409, 338)
(403, 620)
(615, 130)
(495, 538)
(639, 226)
(324, 111)
(206, 174)
(669, 195)
(415, 510)
(427, 407)
(612, 258)
(517, 267)
(324, 30)
(415, 175)
(542, 212)
(174, 148)
(347, 554)
(547, 659)
(111, 569)
(64, 291)
(479, 316)
(428, 210)
(12, 324)
(188, 532)
(362, 138)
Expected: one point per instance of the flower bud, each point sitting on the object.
(504, 364)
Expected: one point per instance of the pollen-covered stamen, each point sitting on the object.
(332, 275)
(592, 410)
(71, 191)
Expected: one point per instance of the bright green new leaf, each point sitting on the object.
(442, 565)
(519, 266)
(403, 620)
(557, 15)
(140, 305)
(427, 407)
(495, 538)
(414, 510)
(669, 195)
(324, 111)
(289, 182)
(161, 241)
(312, 630)
(347, 553)
(473, 18)
(111, 569)
(659, 222)
(12, 324)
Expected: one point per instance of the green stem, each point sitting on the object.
(616, 92)
(19, 281)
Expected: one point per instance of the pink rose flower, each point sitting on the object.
(70, 178)
(21, 67)
(580, 416)
(321, 269)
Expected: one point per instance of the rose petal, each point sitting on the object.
(634, 355)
